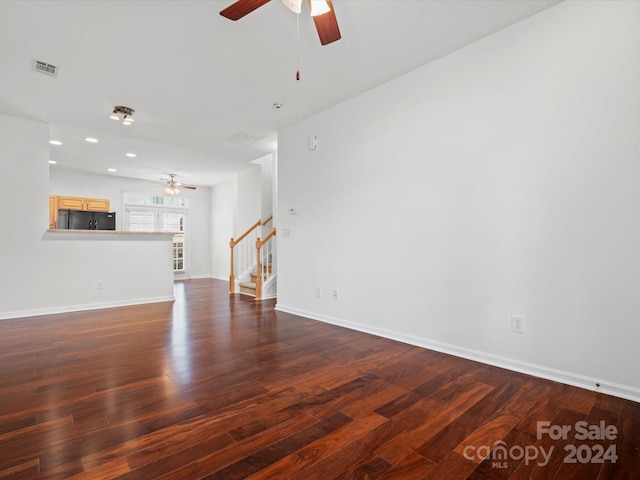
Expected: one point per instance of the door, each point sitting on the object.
(174, 221)
(157, 219)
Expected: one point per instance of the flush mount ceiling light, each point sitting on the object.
(91, 140)
(55, 142)
(124, 113)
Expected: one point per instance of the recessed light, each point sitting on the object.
(55, 142)
(131, 155)
(91, 140)
(112, 170)
(52, 162)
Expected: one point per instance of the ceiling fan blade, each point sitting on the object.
(187, 186)
(239, 9)
(327, 25)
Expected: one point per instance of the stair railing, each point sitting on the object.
(264, 265)
(243, 254)
(243, 258)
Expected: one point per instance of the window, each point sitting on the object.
(174, 222)
(141, 220)
(178, 253)
(152, 213)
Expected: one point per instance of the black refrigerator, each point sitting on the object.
(83, 220)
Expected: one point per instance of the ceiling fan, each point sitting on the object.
(171, 187)
(321, 10)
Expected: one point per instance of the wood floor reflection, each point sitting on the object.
(213, 386)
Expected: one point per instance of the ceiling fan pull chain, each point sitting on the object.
(298, 46)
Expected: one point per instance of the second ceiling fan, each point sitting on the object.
(171, 187)
(322, 12)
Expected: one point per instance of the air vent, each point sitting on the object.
(44, 67)
(244, 138)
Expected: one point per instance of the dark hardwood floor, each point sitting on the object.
(214, 386)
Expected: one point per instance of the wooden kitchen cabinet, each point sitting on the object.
(72, 203)
(53, 212)
(97, 204)
(60, 202)
(78, 203)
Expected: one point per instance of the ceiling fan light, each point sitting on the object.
(319, 7)
(128, 120)
(294, 5)
(114, 115)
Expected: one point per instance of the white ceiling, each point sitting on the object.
(195, 78)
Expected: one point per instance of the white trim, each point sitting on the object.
(77, 308)
(562, 376)
(220, 277)
(271, 296)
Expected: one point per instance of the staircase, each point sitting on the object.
(250, 255)
(249, 288)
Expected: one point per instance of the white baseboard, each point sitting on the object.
(219, 277)
(562, 376)
(207, 276)
(77, 308)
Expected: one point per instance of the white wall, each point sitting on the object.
(499, 180)
(223, 207)
(269, 188)
(43, 275)
(249, 197)
(66, 182)
(235, 206)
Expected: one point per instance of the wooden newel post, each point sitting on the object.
(232, 278)
(258, 270)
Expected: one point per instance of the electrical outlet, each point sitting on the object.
(517, 324)
(99, 285)
(318, 292)
(334, 295)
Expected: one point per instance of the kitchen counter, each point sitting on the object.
(64, 234)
